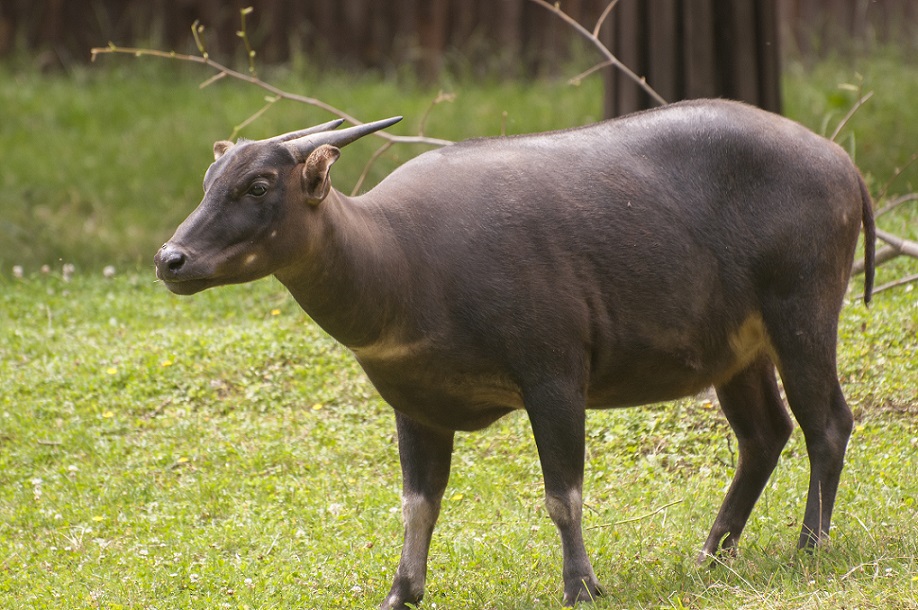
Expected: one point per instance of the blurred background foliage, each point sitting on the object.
(100, 161)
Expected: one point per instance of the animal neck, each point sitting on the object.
(349, 276)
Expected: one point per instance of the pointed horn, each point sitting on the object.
(301, 147)
(293, 135)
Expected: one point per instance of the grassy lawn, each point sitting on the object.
(106, 161)
(222, 452)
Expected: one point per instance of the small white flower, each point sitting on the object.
(67, 271)
(108, 271)
(46, 269)
(17, 272)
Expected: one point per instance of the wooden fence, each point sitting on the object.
(514, 35)
(684, 48)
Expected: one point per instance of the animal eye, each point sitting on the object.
(258, 189)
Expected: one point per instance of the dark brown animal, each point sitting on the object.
(632, 261)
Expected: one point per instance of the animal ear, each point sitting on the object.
(221, 147)
(316, 183)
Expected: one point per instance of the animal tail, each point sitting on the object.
(870, 240)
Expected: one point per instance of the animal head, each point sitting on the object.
(246, 226)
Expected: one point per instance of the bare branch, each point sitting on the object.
(857, 105)
(274, 91)
(896, 246)
(885, 253)
(633, 519)
(210, 81)
(271, 101)
(904, 246)
(244, 35)
(441, 97)
(603, 17)
(594, 39)
(895, 284)
(896, 174)
(576, 80)
(366, 168)
(889, 207)
(197, 30)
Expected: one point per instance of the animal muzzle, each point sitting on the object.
(170, 262)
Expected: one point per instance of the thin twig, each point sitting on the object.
(866, 529)
(900, 282)
(858, 568)
(893, 204)
(576, 80)
(593, 38)
(366, 168)
(857, 105)
(244, 35)
(210, 81)
(275, 91)
(271, 101)
(603, 17)
(633, 519)
(896, 174)
(441, 97)
(197, 30)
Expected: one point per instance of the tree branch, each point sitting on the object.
(857, 105)
(593, 37)
(896, 174)
(895, 284)
(366, 168)
(903, 246)
(885, 253)
(893, 204)
(602, 18)
(224, 71)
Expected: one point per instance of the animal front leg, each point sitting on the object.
(425, 455)
(558, 424)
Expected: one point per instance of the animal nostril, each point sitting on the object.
(169, 260)
(175, 260)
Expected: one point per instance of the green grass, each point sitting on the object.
(222, 452)
(101, 164)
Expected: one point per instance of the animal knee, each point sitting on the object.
(419, 512)
(565, 509)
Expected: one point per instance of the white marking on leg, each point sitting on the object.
(419, 515)
(565, 510)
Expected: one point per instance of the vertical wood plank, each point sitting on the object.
(665, 46)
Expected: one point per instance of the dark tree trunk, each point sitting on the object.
(694, 48)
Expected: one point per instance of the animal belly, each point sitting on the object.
(444, 397)
(671, 371)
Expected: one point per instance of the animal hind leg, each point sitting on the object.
(753, 407)
(808, 370)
